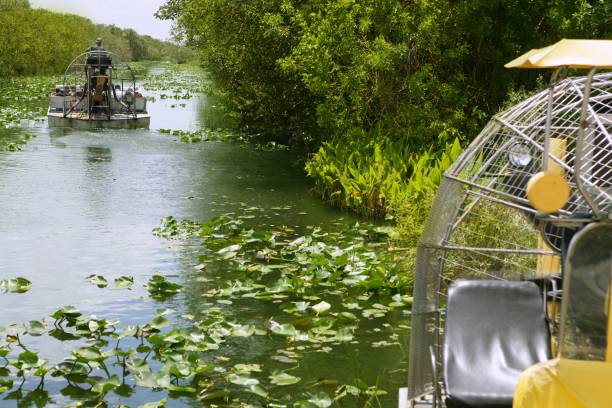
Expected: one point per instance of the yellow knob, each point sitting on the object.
(547, 191)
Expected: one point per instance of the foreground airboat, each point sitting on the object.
(513, 279)
(98, 92)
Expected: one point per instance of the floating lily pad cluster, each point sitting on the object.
(324, 285)
(23, 99)
(204, 135)
(15, 143)
(174, 81)
(121, 282)
(223, 135)
(349, 259)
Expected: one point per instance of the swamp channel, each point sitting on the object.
(184, 266)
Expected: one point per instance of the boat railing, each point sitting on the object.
(100, 80)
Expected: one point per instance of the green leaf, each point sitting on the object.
(88, 353)
(159, 322)
(282, 378)
(157, 404)
(229, 249)
(66, 312)
(103, 387)
(5, 385)
(321, 307)
(258, 390)
(129, 331)
(242, 380)
(247, 368)
(214, 395)
(124, 282)
(321, 400)
(160, 288)
(28, 357)
(36, 328)
(348, 316)
(98, 280)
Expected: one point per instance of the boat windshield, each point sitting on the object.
(585, 322)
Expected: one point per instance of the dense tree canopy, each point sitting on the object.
(40, 41)
(240, 44)
(427, 70)
(374, 82)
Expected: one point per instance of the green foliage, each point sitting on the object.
(160, 288)
(428, 71)
(240, 44)
(37, 41)
(10, 4)
(367, 177)
(370, 84)
(17, 285)
(489, 225)
(22, 103)
(13, 144)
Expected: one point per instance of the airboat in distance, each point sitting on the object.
(98, 91)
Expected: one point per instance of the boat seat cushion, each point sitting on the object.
(494, 331)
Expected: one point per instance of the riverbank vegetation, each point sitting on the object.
(38, 41)
(372, 87)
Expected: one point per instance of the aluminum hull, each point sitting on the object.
(82, 121)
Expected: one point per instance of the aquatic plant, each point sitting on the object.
(23, 100)
(325, 283)
(179, 82)
(366, 177)
(204, 135)
(16, 285)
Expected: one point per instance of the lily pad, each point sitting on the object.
(321, 307)
(98, 280)
(242, 380)
(16, 285)
(124, 282)
(282, 378)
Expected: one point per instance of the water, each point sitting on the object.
(76, 203)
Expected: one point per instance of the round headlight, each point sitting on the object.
(519, 155)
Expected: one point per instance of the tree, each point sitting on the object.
(8, 4)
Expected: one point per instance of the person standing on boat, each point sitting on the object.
(97, 63)
(98, 57)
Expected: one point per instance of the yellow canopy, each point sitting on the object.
(570, 53)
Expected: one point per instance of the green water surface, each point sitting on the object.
(75, 203)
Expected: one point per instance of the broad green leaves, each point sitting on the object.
(242, 380)
(321, 307)
(172, 228)
(282, 378)
(98, 280)
(368, 177)
(124, 282)
(160, 288)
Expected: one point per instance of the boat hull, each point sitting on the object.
(82, 121)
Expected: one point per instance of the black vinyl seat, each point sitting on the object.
(494, 331)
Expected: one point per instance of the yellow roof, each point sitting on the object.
(570, 53)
